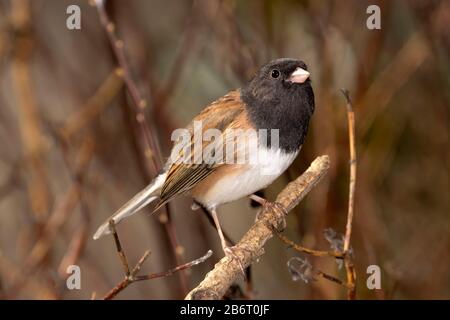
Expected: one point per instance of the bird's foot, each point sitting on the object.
(233, 252)
(280, 212)
(275, 207)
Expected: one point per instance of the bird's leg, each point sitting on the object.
(229, 251)
(197, 205)
(258, 199)
(219, 230)
(274, 206)
(261, 201)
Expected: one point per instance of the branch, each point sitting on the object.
(145, 135)
(131, 275)
(301, 249)
(333, 279)
(251, 246)
(29, 119)
(151, 146)
(348, 260)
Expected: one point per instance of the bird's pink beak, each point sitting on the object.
(299, 75)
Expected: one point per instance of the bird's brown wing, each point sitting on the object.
(224, 113)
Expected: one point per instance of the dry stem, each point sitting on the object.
(132, 276)
(348, 261)
(150, 150)
(301, 249)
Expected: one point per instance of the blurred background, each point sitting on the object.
(75, 145)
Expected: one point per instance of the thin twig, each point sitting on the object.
(151, 153)
(151, 147)
(129, 278)
(30, 121)
(132, 276)
(120, 252)
(301, 249)
(332, 279)
(349, 267)
(173, 270)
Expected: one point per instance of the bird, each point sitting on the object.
(279, 99)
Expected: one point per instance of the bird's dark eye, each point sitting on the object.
(275, 73)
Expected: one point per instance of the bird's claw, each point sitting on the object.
(275, 207)
(231, 252)
(280, 212)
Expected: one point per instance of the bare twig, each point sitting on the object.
(173, 270)
(132, 276)
(120, 252)
(349, 267)
(151, 147)
(129, 277)
(29, 118)
(301, 249)
(251, 246)
(332, 279)
(151, 154)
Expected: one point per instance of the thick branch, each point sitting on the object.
(251, 246)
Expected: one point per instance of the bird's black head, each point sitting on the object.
(280, 96)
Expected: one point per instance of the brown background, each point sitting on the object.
(71, 150)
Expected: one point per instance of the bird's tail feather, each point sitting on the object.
(139, 201)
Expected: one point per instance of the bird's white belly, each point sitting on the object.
(270, 165)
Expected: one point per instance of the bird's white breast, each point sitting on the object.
(251, 178)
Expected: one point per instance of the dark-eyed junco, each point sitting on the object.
(277, 102)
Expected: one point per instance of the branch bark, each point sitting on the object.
(251, 246)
